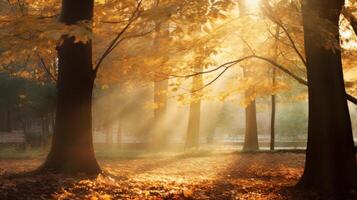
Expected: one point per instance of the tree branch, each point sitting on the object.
(234, 62)
(351, 18)
(115, 41)
(281, 25)
(46, 69)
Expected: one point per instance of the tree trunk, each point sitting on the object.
(330, 165)
(273, 97)
(251, 129)
(72, 146)
(109, 135)
(159, 136)
(107, 125)
(193, 129)
(160, 100)
(272, 119)
(8, 121)
(44, 123)
(119, 134)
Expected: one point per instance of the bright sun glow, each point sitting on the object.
(252, 4)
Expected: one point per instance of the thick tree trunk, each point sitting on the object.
(330, 158)
(72, 146)
(251, 129)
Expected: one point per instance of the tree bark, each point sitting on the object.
(72, 146)
(330, 165)
(251, 129)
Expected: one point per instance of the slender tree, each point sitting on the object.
(194, 120)
(160, 97)
(119, 132)
(330, 158)
(273, 97)
(251, 128)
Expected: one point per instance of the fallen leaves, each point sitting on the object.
(228, 176)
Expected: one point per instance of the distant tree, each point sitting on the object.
(251, 127)
(194, 118)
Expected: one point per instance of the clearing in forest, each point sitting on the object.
(212, 176)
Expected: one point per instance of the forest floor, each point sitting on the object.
(187, 176)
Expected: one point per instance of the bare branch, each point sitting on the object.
(114, 42)
(282, 26)
(351, 99)
(351, 18)
(46, 69)
(212, 81)
(230, 64)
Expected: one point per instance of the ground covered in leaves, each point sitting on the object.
(213, 176)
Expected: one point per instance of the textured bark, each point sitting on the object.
(330, 158)
(72, 146)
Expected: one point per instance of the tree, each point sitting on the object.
(273, 96)
(330, 158)
(72, 147)
(251, 128)
(194, 120)
(160, 90)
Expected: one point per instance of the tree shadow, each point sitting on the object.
(260, 176)
(132, 166)
(35, 185)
